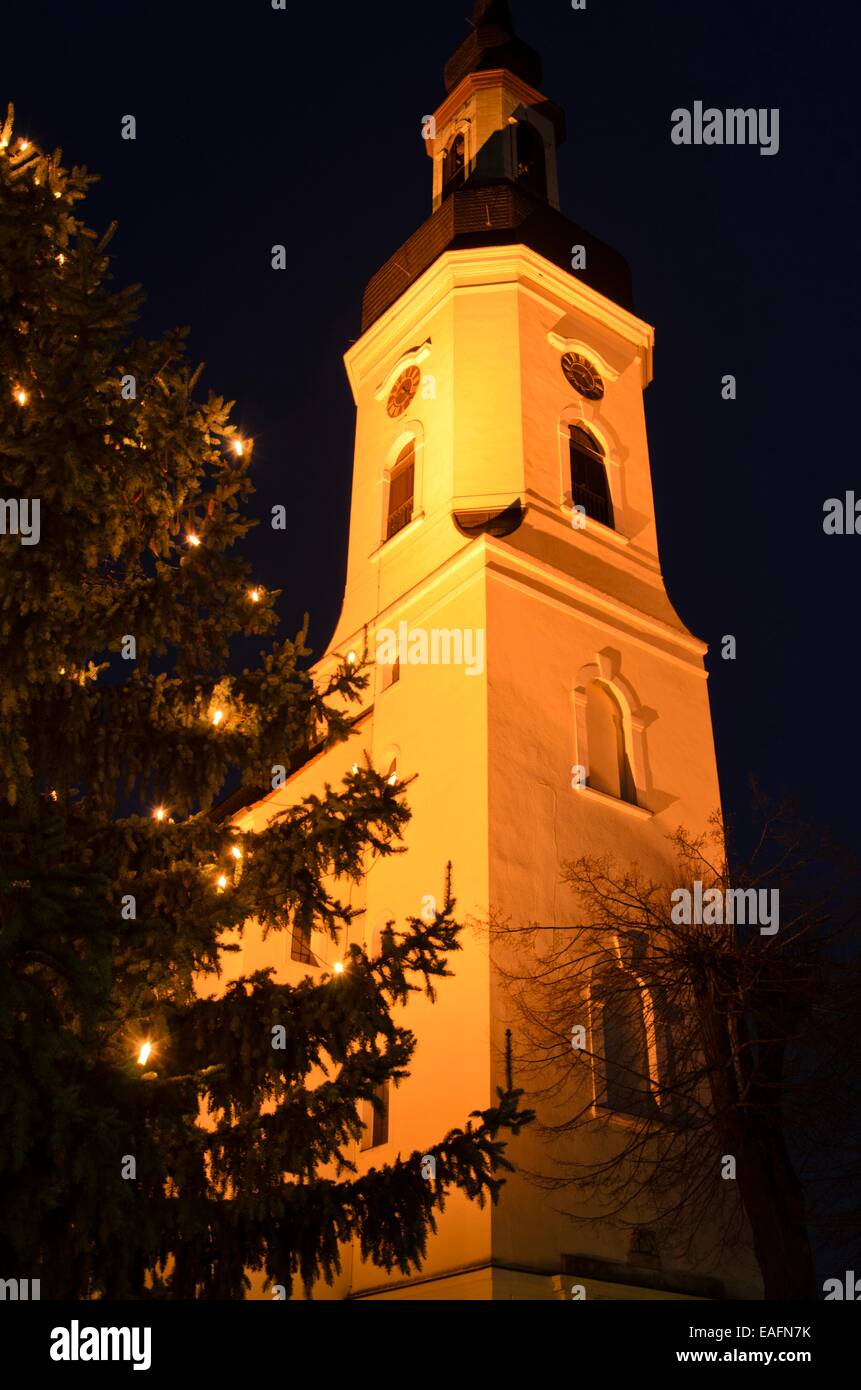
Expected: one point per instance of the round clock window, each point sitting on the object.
(582, 376)
(403, 391)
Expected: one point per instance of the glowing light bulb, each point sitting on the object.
(57, 193)
(217, 717)
(355, 768)
(61, 259)
(236, 852)
(23, 145)
(238, 448)
(159, 813)
(53, 795)
(222, 881)
(254, 595)
(339, 967)
(192, 539)
(351, 658)
(20, 395)
(393, 779)
(144, 1054)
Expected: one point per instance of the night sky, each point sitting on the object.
(257, 127)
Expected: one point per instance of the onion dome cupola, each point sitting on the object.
(493, 145)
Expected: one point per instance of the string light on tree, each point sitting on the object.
(254, 595)
(217, 717)
(193, 540)
(339, 967)
(159, 814)
(238, 447)
(21, 396)
(145, 1054)
(236, 852)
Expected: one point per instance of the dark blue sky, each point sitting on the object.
(303, 127)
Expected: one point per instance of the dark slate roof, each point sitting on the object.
(493, 44)
(497, 214)
(246, 796)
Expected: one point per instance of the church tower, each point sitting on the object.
(548, 697)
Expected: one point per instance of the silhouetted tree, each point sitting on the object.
(731, 1053)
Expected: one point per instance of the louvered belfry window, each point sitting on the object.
(401, 489)
(589, 486)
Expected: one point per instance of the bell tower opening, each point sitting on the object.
(531, 159)
(454, 166)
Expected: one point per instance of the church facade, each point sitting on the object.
(527, 664)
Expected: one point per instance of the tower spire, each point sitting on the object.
(493, 43)
(492, 12)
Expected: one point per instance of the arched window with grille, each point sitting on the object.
(590, 487)
(531, 159)
(609, 764)
(401, 490)
(454, 166)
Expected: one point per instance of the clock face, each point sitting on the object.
(582, 376)
(403, 391)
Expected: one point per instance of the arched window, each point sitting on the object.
(531, 159)
(626, 1084)
(454, 166)
(589, 486)
(609, 764)
(401, 490)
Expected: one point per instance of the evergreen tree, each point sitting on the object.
(124, 495)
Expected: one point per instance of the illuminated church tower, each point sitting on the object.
(502, 500)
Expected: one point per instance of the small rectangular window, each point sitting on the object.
(376, 1121)
(300, 946)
